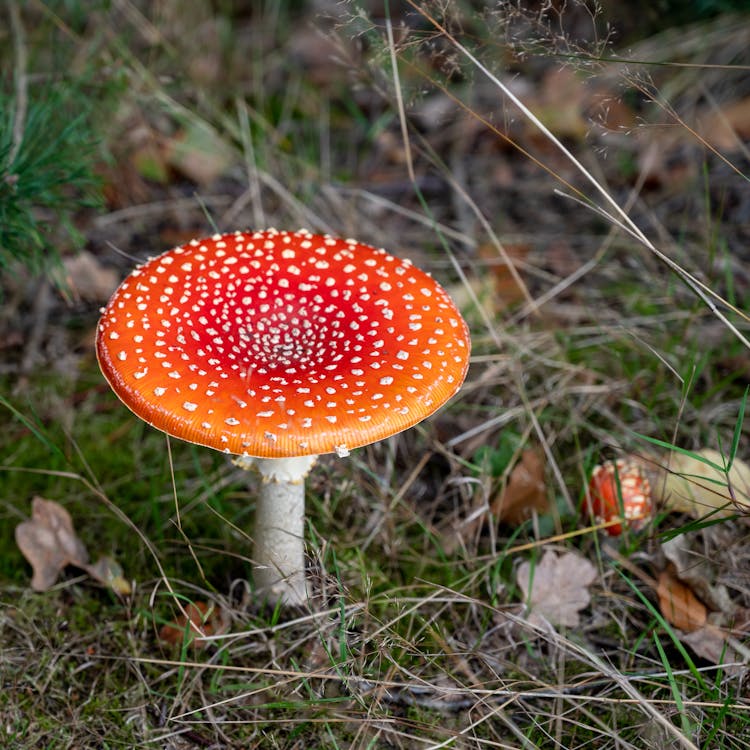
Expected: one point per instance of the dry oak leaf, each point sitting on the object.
(525, 492)
(49, 542)
(556, 589)
(690, 484)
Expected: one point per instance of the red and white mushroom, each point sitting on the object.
(619, 491)
(278, 346)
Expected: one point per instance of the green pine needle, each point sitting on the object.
(45, 178)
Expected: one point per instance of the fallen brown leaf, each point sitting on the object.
(556, 589)
(717, 644)
(694, 568)
(714, 639)
(87, 279)
(679, 605)
(716, 636)
(728, 126)
(505, 287)
(204, 620)
(561, 104)
(199, 153)
(525, 491)
(109, 572)
(49, 542)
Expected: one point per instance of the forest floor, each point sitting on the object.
(578, 182)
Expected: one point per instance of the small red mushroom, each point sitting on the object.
(277, 346)
(620, 490)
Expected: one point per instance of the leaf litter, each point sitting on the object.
(49, 542)
(702, 610)
(518, 499)
(199, 621)
(557, 588)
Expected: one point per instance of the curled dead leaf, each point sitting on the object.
(719, 644)
(712, 624)
(679, 605)
(109, 572)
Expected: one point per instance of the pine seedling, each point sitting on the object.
(46, 176)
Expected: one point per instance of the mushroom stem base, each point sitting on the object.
(279, 552)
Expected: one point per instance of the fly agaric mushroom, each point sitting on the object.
(276, 347)
(620, 490)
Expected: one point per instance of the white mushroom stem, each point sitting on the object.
(279, 546)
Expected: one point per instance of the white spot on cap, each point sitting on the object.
(189, 406)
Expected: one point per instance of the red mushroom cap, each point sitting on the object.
(276, 344)
(620, 489)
